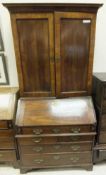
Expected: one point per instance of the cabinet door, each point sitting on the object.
(34, 46)
(74, 45)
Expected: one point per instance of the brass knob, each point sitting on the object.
(75, 147)
(74, 159)
(38, 149)
(1, 155)
(37, 131)
(56, 130)
(38, 161)
(56, 157)
(37, 140)
(75, 130)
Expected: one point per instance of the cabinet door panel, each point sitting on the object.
(35, 54)
(73, 53)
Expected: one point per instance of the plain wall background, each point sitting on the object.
(100, 42)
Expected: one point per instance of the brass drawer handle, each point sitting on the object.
(74, 159)
(37, 140)
(56, 130)
(75, 147)
(37, 131)
(75, 138)
(38, 149)
(56, 157)
(57, 147)
(75, 130)
(38, 161)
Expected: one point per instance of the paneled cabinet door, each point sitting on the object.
(74, 44)
(34, 46)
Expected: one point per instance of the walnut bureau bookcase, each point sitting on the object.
(54, 46)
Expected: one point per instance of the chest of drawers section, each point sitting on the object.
(56, 141)
(7, 133)
(7, 143)
(99, 97)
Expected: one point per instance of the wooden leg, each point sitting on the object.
(89, 168)
(16, 165)
(23, 170)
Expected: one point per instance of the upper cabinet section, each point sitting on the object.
(54, 46)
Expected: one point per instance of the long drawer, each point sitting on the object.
(56, 148)
(53, 139)
(7, 155)
(56, 129)
(6, 143)
(40, 160)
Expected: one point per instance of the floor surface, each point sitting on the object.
(99, 169)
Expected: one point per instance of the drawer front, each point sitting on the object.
(6, 133)
(3, 124)
(37, 160)
(102, 137)
(7, 156)
(56, 129)
(103, 122)
(49, 140)
(56, 148)
(7, 143)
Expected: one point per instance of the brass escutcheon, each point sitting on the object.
(37, 131)
(37, 140)
(38, 149)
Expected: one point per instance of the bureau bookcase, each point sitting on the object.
(54, 46)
